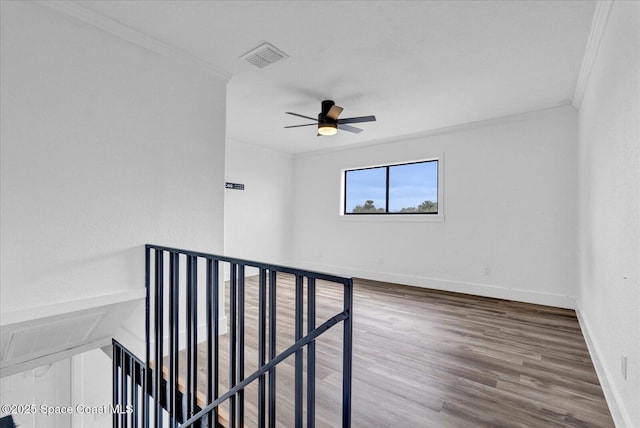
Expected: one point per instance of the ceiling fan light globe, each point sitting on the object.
(327, 129)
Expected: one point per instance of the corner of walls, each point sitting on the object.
(608, 304)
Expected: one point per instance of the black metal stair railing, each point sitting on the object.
(173, 283)
(128, 387)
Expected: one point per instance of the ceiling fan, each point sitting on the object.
(328, 122)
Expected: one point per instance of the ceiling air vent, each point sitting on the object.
(264, 55)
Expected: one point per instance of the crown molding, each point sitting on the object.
(564, 107)
(124, 32)
(598, 25)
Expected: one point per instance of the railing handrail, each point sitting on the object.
(260, 265)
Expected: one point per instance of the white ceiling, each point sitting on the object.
(416, 65)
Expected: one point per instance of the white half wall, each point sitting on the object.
(609, 212)
(105, 146)
(509, 212)
(258, 219)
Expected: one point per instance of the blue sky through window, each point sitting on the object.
(409, 186)
(364, 185)
(412, 184)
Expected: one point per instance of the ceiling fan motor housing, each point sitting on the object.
(322, 116)
(326, 106)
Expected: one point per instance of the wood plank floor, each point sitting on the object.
(425, 358)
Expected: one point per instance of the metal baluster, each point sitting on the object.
(189, 357)
(272, 348)
(123, 388)
(133, 395)
(194, 331)
(191, 363)
(174, 322)
(232, 342)
(212, 337)
(145, 381)
(347, 354)
(241, 293)
(311, 353)
(216, 334)
(115, 353)
(262, 307)
(136, 380)
(158, 315)
(299, 359)
(210, 323)
(143, 377)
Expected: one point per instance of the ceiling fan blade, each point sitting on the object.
(334, 112)
(357, 119)
(349, 128)
(301, 115)
(298, 126)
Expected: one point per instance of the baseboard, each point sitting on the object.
(478, 289)
(619, 413)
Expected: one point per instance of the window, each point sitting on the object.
(409, 188)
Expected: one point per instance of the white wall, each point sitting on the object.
(48, 386)
(91, 387)
(82, 383)
(258, 219)
(509, 205)
(609, 212)
(105, 146)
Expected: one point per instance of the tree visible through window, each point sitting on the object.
(410, 188)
